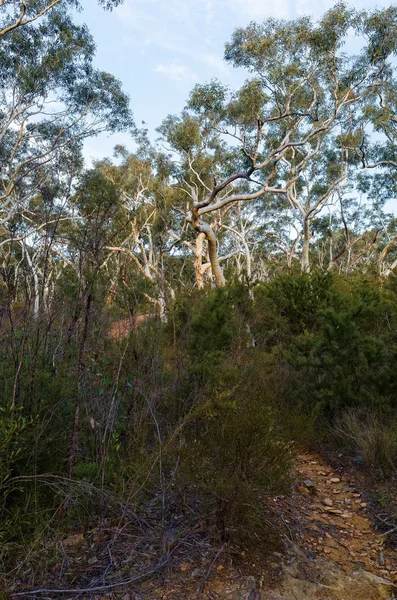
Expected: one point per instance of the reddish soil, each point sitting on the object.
(332, 551)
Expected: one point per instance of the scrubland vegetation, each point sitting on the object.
(176, 323)
(196, 420)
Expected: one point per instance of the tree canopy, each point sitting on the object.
(178, 315)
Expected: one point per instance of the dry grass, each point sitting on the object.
(375, 441)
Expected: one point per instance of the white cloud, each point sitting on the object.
(215, 62)
(187, 13)
(258, 10)
(185, 29)
(315, 8)
(174, 71)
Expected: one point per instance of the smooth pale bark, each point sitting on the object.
(382, 257)
(248, 265)
(161, 304)
(306, 246)
(202, 227)
(198, 263)
(390, 270)
(149, 269)
(214, 201)
(21, 20)
(241, 234)
(292, 250)
(36, 283)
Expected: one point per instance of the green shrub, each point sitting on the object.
(234, 453)
(345, 359)
(371, 438)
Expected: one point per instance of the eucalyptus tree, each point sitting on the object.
(348, 235)
(242, 229)
(198, 157)
(51, 99)
(145, 220)
(374, 135)
(18, 13)
(301, 94)
(279, 233)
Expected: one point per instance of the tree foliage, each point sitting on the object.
(131, 388)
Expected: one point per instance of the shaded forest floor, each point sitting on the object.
(332, 550)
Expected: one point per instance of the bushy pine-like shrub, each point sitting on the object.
(233, 454)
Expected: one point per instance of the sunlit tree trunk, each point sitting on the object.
(198, 263)
(382, 272)
(202, 227)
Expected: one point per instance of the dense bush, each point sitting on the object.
(198, 416)
(373, 437)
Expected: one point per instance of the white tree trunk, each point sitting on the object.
(36, 285)
(217, 271)
(198, 263)
(305, 263)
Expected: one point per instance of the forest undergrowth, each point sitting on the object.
(172, 439)
(177, 321)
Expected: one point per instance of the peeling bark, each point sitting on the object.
(198, 263)
(386, 272)
(207, 230)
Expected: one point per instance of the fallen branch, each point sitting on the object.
(98, 588)
(338, 542)
(390, 531)
(288, 528)
(206, 576)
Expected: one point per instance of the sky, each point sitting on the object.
(160, 48)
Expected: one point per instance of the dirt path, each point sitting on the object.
(334, 552)
(336, 522)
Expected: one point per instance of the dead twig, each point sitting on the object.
(340, 543)
(389, 532)
(99, 588)
(206, 576)
(288, 528)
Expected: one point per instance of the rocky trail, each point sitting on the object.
(337, 553)
(333, 551)
(336, 521)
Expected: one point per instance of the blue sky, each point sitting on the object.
(160, 48)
